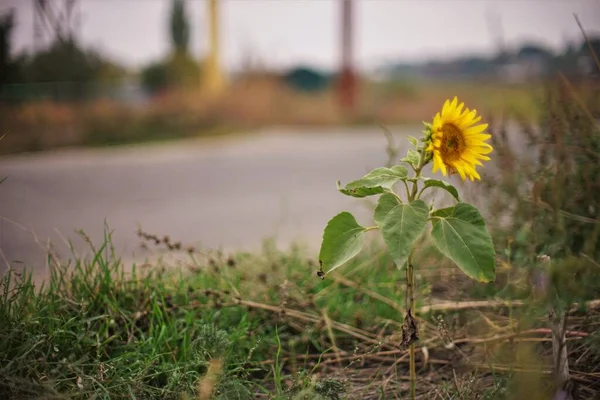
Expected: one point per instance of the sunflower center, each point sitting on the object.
(453, 143)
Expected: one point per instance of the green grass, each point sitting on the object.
(150, 333)
(96, 329)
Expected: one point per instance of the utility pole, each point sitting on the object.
(347, 80)
(213, 81)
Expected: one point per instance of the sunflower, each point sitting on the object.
(457, 144)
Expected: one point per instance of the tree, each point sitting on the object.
(180, 28)
(178, 68)
(7, 67)
(594, 43)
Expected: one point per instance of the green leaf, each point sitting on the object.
(378, 181)
(3, 179)
(400, 170)
(412, 157)
(386, 203)
(413, 140)
(460, 233)
(342, 240)
(427, 130)
(362, 191)
(402, 226)
(443, 185)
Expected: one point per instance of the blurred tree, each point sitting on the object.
(6, 25)
(66, 61)
(154, 77)
(594, 43)
(62, 71)
(63, 61)
(182, 70)
(9, 69)
(590, 52)
(180, 28)
(179, 68)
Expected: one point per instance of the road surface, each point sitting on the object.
(229, 192)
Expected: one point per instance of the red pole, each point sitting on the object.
(347, 79)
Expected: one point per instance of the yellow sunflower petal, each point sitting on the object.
(472, 172)
(476, 120)
(484, 148)
(470, 158)
(473, 155)
(459, 109)
(440, 163)
(459, 169)
(437, 161)
(445, 108)
(473, 130)
(467, 119)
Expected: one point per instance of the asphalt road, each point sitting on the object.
(229, 192)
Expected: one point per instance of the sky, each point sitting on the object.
(283, 33)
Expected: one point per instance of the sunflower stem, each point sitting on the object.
(410, 323)
(410, 283)
(415, 188)
(421, 192)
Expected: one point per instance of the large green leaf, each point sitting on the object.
(378, 181)
(402, 226)
(386, 203)
(443, 185)
(460, 233)
(400, 171)
(342, 240)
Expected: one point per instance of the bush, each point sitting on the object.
(545, 197)
(179, 70)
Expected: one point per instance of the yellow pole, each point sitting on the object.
(213, 81)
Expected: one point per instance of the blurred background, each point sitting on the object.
(271, 103)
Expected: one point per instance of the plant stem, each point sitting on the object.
(410, 283)
(415, 188)
(410, 322)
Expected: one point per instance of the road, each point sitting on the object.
(229, 192)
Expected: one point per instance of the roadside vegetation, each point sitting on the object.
(241, 326)
(254, 101)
